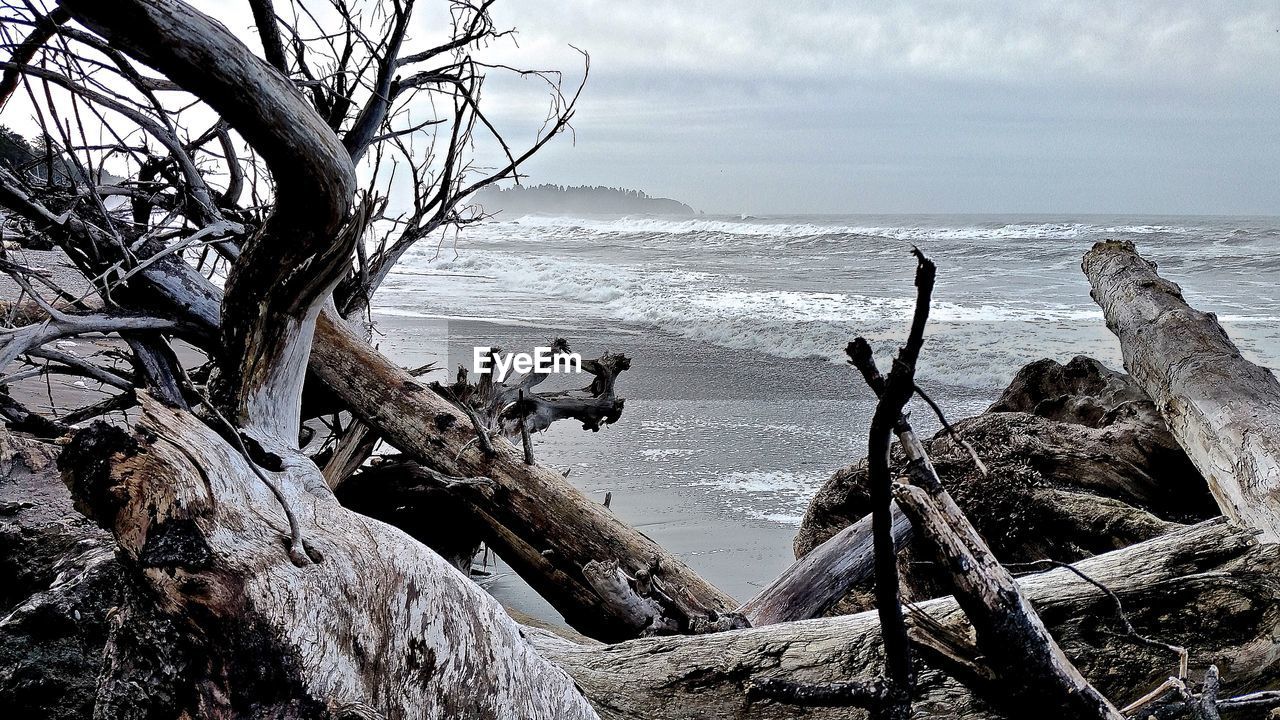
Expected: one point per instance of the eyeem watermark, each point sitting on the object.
(541, 360)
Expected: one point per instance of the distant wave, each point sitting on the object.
(781, 323)
(755, 228)
(1008, 292)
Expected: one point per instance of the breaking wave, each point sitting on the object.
(999, 304)
(639, 225)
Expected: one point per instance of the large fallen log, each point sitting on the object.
(297, 607)
(1223, 409)
(533, 517)
(1210, 588)
(209, 540)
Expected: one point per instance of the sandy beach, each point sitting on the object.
(716, 454)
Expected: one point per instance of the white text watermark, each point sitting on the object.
(541, 360)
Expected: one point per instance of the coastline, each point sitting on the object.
(716, 453)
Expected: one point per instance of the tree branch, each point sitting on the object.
(275, 288)
(264, 16)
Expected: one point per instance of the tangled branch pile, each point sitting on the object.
(211, 536)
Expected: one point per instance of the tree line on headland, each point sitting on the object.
(563, 199)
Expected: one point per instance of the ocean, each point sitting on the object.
(739, 403)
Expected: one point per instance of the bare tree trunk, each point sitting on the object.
(1223, 409)
(298, 604)
(379, 620)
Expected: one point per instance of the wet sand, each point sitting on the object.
(716, 454)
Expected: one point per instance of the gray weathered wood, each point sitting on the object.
(1223, 409)
(540, 524)
(1187, 587)
(380, 619)
(813, 584)
(1026, 660)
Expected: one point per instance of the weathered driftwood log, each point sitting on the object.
(1223, 409)
(406, 415)
(1026, 662)
(820, 578)
(431, 507)
(1080, 464)
(377, 618)
(296, 604)
(1209, 588)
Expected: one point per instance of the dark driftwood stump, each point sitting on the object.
(1080, 463)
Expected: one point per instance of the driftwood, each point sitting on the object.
(227, 578)
(210, 542)
(1209, 588)
(239, 536)
(531, 505)
(529, 501)
(1025, 661)
(1020, 662)
(823, 576)
(540, 524)
(1223, 409)
(511, 407)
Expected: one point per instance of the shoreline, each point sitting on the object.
(714, 459)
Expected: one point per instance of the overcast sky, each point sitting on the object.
(974, 106)
(1035, 106)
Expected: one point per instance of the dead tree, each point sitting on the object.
(178, 224)
(228, 523)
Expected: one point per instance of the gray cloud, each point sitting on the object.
(1066, 106)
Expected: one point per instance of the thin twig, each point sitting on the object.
(982, 468)
(524, 432)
